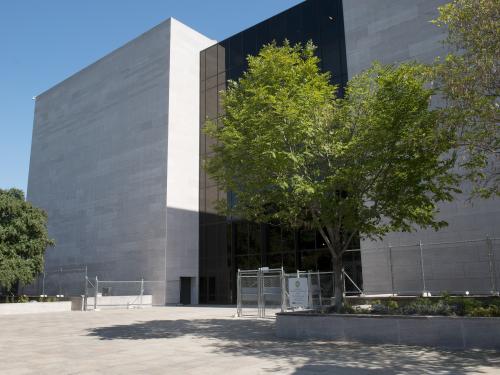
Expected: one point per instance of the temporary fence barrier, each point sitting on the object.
(456, 267)
(59, 282)
(106, 294)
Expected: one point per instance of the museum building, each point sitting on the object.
(118, 148)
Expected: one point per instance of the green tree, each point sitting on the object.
(23, 239)
(469, 80)
(295, 154)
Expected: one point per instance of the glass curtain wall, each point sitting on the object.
(227, 245)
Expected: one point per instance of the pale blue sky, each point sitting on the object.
(44, 41)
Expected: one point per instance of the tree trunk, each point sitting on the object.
(13, 290)
(338, 279)
(337, 265)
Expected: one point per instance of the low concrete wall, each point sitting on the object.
(34, 307)
(436, 331)
(120, 302)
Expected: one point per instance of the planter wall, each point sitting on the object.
(34, 307)
(435, 331)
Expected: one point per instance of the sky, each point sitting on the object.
(42, 42)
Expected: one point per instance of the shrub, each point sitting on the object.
(380, 308)
(491, 310)
(423, 306)
(447, 305)
(362, 309)
(22, 299)
(392, 305)
(465, 305)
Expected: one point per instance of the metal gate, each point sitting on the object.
(258, 290)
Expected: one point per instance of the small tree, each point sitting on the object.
(469, 80)
(23, 239)
(295, 154)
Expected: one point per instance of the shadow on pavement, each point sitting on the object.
(256, 338)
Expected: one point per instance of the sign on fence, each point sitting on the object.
(298, 291)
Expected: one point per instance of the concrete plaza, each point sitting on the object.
(202, 340)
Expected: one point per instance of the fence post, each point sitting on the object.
(86, 291)
(424, 292)
(283, 290)
(59, 279)
(96, 287)
(43, 284)
(309, 288)
(86, 274)
(391, 269)
(259, 293)
(238, 294)
(319, 288)
(142, 291)
(491, 257)
(262, 296)
(343, 282)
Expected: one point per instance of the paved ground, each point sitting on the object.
(202, 340)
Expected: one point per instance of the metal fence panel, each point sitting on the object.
(271, 293)
(495, 264)
(106, 294)
(248, 295)
(407, 269)
(60, 281)
(377, 278)
(458, 267)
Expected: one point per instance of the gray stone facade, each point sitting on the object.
(394, 31)
(100, 164)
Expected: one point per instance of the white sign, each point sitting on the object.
(298, 292)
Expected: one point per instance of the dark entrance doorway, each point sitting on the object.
(185, 290)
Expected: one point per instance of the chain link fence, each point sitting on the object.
(59, 282)
(106, 294)
(460, 267)
(456, 267)
(74, 282)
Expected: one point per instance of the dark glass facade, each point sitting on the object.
(228, 245)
